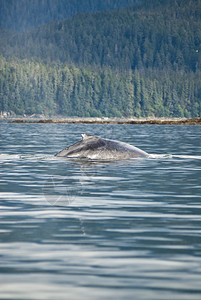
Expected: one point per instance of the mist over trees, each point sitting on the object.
(139, 61)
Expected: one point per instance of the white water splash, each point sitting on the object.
(7, 157)
(187, 156)
(41, 157)
(160, 156)
(14, 157)
(166, 156)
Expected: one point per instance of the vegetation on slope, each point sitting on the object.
(141, 61)
(21, 15)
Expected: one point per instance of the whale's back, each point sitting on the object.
(94, 147)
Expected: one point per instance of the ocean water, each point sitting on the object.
(78, 229)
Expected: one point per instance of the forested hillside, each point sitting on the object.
(21, 15)
(144, 60)
(158, 36)
(31, 87)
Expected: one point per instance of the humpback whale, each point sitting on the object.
(97, 148)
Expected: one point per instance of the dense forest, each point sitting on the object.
(143, 36)
(139, 61)
(31, 87)
(21, 15)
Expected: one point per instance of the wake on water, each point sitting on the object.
(38, 157)
(9, 157)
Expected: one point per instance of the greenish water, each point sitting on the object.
(113, 230)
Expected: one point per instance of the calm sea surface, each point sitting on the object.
(90, 230)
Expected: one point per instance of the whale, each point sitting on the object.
(97, 148)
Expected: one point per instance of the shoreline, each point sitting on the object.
(77, 120)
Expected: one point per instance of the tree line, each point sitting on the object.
(29, 87)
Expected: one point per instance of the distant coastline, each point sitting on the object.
(77, 120)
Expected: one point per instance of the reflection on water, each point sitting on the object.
(91, 230)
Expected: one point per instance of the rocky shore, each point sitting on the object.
(77, 120)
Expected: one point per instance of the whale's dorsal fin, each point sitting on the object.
(86, 136)
(83, 136)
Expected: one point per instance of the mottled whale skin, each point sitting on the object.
(94, 147)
